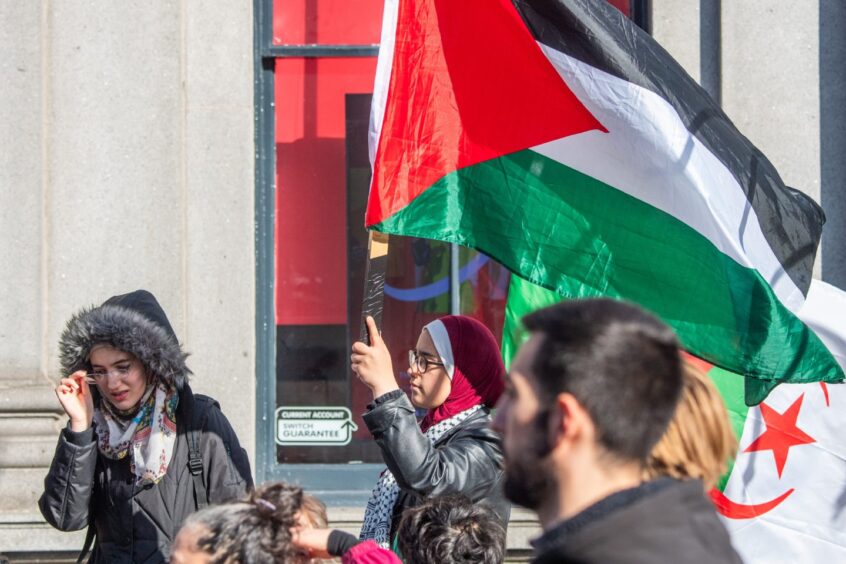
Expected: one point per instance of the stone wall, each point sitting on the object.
(127, 162)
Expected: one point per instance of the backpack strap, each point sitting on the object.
(195, 466)
(196, 414)
(89, 540)
(90, 534)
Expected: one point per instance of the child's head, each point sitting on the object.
(256, 530)
(451, 529)
(312, 513)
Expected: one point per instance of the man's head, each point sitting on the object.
(451, 529)
(596, 383)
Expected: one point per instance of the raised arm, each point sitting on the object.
(68, 485)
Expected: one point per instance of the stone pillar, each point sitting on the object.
(832, 84)
(128, 163)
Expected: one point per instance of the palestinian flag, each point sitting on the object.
(561, 140)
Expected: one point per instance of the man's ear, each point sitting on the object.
(569, 419)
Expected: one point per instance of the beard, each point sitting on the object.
(527, 483)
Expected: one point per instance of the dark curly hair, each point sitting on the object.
(255, 531)
(451, 529)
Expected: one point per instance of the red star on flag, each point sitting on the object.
(781, 434)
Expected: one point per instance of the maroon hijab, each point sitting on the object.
(478, 374)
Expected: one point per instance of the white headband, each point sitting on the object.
(440, 337)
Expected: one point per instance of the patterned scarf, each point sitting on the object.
(148, 436)
(380, 507)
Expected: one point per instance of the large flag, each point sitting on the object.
(561, 140)
(783, 498)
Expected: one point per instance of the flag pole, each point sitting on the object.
(454, 281)
(374, 281)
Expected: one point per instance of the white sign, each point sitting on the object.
(314, 426)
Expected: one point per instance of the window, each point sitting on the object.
(315, 66)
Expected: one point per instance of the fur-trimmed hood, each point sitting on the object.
(134, 323)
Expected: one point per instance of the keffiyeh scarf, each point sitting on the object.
(380, 507)
(148, 436)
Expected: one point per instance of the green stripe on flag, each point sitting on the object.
(731, 389)
(566, 231)
(525, 297)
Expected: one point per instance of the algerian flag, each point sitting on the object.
(784, 497)
(561, 140)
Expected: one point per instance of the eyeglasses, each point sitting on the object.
(120, 372)
(420, 362)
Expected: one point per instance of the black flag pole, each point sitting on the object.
(374, 281)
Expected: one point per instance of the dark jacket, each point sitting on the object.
(661, 521)
(466, 460)
(133, 523)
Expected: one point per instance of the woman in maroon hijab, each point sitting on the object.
(456, 373)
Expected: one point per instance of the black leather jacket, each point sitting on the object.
(139, 524)
(466, 460)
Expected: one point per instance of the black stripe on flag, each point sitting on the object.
(597, 34)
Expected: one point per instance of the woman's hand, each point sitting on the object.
(372, 363)
(314, 541)
(75, 397)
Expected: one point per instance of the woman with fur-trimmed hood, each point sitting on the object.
(141, 452)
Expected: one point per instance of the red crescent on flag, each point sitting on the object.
(734, 510)
(702, 365)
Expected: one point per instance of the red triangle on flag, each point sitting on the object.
(468, 83)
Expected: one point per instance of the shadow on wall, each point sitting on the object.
(832, 51)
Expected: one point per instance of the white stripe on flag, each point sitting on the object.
(650, 155)
(824, 312)
(384, 63)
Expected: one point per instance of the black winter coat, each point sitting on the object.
(466, 460)
(661, 521)
(137, 524)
